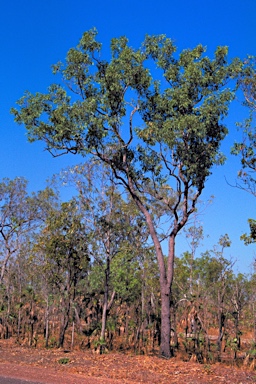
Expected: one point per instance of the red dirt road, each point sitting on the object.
(44, 366)
(39, 375)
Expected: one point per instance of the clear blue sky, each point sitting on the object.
(36, 34)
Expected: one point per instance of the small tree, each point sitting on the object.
(160, 137)
(63, 245)
(20, 215)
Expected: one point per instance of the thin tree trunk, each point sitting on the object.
(5, 261)
(174, 325)
(237, 332)
(19, 323)
(19, 313)
(64, 325)
(47, 332)
(47, 323)
(106, 304)
(105, 301)
(78, 322)
(72, 336)
(143, 311)
(63, 328)
(126, 330)
(221, 333)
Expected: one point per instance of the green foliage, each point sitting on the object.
(160, 136)
(126, 281)
(246, 149)
(251, 238)
(63, 246)
(181, 111)
(252, 351)
(63, 361)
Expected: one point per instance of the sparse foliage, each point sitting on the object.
(246, 149)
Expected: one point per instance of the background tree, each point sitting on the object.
(20, 215)
(113, 222)
(252, 302)
(215, 273)
(246, 149)
(160, 136)
(63, 243)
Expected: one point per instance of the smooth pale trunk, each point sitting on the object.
(106, 291)
(105, 303)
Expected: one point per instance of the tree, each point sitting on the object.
(160, 137)
(20, 215)
(63, 243)
(114, 223)
(214, 273)
(246, 149)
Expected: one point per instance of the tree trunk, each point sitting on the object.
(174, 325)
(165, 325)
(63, 328)
(78, 321)
(221, 333)
(46, 330)
(166, 279)
(105, 302)
(64, 323)
(237, 332)
(165, 271)
(72, 335)
(18, 327)
(5, 261)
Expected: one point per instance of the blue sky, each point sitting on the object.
(36, 34)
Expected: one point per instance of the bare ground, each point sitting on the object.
(55, 366)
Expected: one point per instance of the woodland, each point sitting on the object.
(99, 271)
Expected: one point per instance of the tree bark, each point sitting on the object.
(47, 323)
(64, 323)
(78, 321)
(165, 324)
(63, 328)
(105, 302)
(221, 333)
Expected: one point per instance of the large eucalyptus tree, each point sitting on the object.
(153, 116)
